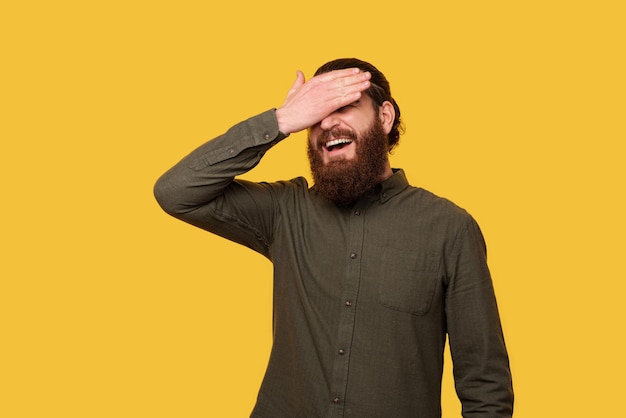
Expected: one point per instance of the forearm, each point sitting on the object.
(481, 365)
(202, 175)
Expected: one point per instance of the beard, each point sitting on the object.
(344, 181)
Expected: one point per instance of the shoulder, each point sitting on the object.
(292, 185)
(294, 188)
(429, 203)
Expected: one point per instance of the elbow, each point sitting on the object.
(164, 194)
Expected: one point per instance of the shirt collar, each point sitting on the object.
(392, 186)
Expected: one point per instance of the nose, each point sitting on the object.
(329, 122)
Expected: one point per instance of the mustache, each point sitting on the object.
(335, 133)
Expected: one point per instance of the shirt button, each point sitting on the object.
(384, 195)
(266, 136)
(357, 212)
(348, 303)
(336, 400)
(353, 256)
(341, 351)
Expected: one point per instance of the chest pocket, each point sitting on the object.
(409, 280)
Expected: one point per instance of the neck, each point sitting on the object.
(387, 172)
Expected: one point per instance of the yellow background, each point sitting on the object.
(110, 308)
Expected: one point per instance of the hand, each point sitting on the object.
(308, 102)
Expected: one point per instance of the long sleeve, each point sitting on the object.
(363, 296)
(193, 190)
(480, 359)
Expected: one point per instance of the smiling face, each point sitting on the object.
(379, 92)
(348, 150)
(336, 136)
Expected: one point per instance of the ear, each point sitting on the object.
(387, 115)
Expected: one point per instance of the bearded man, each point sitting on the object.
(371, 274)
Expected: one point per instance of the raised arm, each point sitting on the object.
(186, 189)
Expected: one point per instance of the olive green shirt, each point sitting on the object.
(364, 295)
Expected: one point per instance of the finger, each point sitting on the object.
(297, 83)
(345, 77)
(355, 80)
(346, 99)
(350, 91)
(345, 83)
(338, 74)
(299, 79)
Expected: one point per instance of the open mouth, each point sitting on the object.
(337, 144)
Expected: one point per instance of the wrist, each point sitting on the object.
(283, 125)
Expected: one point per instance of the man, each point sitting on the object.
(370, 273)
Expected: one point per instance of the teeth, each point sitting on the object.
(337, 142)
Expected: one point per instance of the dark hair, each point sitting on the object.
(379, 90)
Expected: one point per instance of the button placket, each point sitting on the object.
(341, 366)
